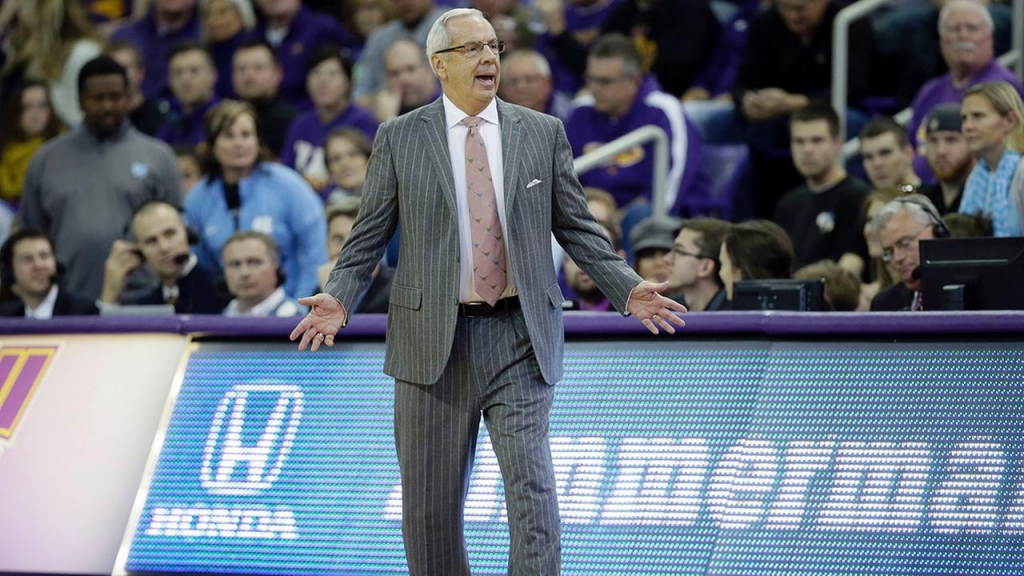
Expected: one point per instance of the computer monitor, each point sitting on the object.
(798, 295)
(973, 274)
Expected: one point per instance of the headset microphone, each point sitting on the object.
(181, 259)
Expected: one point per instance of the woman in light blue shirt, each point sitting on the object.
(993, 124)
(241, 190)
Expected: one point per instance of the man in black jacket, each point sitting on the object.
(28, 280)
(161, 241)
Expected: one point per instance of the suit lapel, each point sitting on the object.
(435, 139)
(511, 142)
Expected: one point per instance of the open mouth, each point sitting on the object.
(486, 79)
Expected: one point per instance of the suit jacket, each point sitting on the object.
(197, 294)
(67, 304)
(893, 299)
(409, 181)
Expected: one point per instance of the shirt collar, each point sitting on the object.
(174, 291)
(263, 309)
(453, 114)
(45, 309)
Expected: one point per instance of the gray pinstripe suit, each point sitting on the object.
(448, 369)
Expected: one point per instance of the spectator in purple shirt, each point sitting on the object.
(622, 99)
(965, 36)
(169, 23)
(580, 20)
(192, 77)
(224, 23)
(328, 83)
(296, 31)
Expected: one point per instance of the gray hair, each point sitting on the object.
(244, 7)
(543, 66)
(439, 38)
(974, 5)
(913, 204)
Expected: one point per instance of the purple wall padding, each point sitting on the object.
(577, 324)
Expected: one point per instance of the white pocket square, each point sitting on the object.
(533, 183)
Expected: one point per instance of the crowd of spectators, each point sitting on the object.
(209, 155)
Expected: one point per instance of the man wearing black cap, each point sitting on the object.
(948, 156)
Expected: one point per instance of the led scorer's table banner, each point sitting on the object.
(672, 458)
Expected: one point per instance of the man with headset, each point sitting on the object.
(29, 274)
(161, 242)
(900, 227)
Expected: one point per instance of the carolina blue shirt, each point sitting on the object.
(988, 192)
(273, 200)
(303, 147)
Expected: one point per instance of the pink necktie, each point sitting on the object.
(489, 275)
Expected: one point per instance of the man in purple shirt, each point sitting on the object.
(621, 101)
(192, 77)
(582, 20)
(328, 84)
(965, 37)
(296, 31)
(169, 23)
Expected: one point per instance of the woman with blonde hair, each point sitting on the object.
(993, 124)
(51, 40)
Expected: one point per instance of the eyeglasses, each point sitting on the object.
(677, 251)
(903, 244)
(473, 49)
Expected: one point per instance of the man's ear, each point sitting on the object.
(437, 64)
(706, 269)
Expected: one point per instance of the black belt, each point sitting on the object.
(476, 309)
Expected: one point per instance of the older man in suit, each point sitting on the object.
(475, 324)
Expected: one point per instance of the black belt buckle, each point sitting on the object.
(483, 309)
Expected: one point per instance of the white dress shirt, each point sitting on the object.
(45, 309)
(490, 131)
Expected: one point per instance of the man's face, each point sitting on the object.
(160, 235)
(409, 74)
(254, 73)
(413, 10)
(801, 17)
(524, 84)
(886, 163)
(814, 148)
(131, 64)
(948, 155)
(338, 231)
(191, 77)
(34, 267)
(250, 271)
(327, 83)
(613, 89)
(104, 103)
(965, 40)
(901, 236)
(685, 261)
(470, 83)
(279, 8)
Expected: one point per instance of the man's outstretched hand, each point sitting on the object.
(326, 316)
(654, 310)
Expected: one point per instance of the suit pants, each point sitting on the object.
(492, 372)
